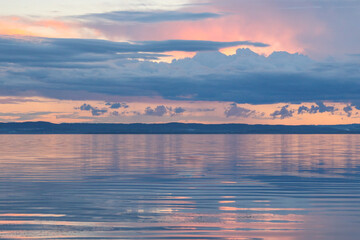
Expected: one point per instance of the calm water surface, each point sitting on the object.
(276, 187)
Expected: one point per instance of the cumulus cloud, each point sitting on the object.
(179, 110)
(348, 110)
(303, 109)
(117, 105)
(283, 113)
(235, 111)
(319, 108)
(162, 110)
(94, 110)
(115, 113)
(85, 107)
(148, 17)
(356, 104)
(159, 111)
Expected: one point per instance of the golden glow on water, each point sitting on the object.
(179, 186)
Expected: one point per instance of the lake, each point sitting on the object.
(273, 187)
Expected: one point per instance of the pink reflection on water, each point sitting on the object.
(229, 187)
(30, 215)
(260, 209)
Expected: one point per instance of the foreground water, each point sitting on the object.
(180, 187)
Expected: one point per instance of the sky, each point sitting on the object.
(204, 61)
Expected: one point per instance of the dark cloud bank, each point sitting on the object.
(80, 68)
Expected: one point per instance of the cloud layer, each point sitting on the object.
(53, 52)
(76, 68)
(147, 17)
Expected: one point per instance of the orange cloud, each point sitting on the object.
(44, 28)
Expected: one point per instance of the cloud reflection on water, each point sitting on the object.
(179, 186)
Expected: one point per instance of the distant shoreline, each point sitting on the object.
(171, 128)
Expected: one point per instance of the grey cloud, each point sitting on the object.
(162, 110)
(204, 109)
(356, 104)
(66, 53)
(115, 113)
(320, 108)
(192, 45)
(317, 4)
(179, 110)
(255, 88)
(283, 113)
(83, 53)
(244, 77)
(71, 115)
(85, 107)
(16, 100)
(94, 110)
(303, 109)
(201, 109)
(98, 112)
(348, 109)
(117, 105)
(148, 17)
(235, 111)
(25, 116)
(158, 111)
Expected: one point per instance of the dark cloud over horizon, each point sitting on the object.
(76, 53)
(245, 77)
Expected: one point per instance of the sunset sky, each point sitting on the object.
(208, 61)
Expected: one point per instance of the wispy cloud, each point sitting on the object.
(24, 116)
(148, 17)
(56, 52)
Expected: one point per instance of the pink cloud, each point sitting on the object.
(22, 26)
